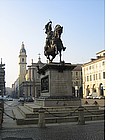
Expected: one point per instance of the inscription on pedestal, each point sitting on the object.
(45, 84)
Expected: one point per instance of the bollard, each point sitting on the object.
(41, 119)
(81, 119)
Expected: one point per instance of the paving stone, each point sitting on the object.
(90, 131)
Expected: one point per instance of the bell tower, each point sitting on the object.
(22, 64)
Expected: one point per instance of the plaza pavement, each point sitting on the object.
(60, 131)
(68, 131)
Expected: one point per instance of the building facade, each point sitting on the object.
(32, 84)
(22, 64)
(94, 76)
(28, 81)
(77, 81)
(2, 79)
(22, 67)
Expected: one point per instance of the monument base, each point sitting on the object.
(56, 85)
(58, 101)
(56, 79)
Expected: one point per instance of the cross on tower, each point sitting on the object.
(39, 57)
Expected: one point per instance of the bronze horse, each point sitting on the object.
(54, 44)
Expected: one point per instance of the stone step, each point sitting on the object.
(28, 114)
(19, 117)
(76, 113)
(32, 107)
(35, 108)
(25, 115)
(60, 119)
(17, 113)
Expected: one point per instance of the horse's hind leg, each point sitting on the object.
(52, 58)
(60, 56)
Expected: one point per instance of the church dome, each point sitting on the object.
(22, 50)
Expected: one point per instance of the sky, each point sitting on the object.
(83, 34)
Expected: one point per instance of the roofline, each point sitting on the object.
(100, 51)
(94, 61)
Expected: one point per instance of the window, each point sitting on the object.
(22, 60)
(96, 66)
(90, 77)
(103, 63)
(87, 78)
(103, 75)
(96, 76)
(99, 75)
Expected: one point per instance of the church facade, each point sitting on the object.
(28, 81)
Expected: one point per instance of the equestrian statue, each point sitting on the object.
(54, 45)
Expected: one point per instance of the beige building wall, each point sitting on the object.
(94, 76)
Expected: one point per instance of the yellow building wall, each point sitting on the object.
(93, 76)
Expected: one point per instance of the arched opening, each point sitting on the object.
(93, 88)
(94, 94)
(87, 90)
(81, 92)
(73, 91)
(101, 89)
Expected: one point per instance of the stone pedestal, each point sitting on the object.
(56, 85)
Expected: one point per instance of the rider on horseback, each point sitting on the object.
(49, 33)
(54, 43)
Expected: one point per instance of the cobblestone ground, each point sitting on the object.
(90, 131)
(67, 131)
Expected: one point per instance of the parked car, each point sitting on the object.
(4, 98)
(99, 97)
(21, 99)
(89, 97)
(29, 99)
(9, 99)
